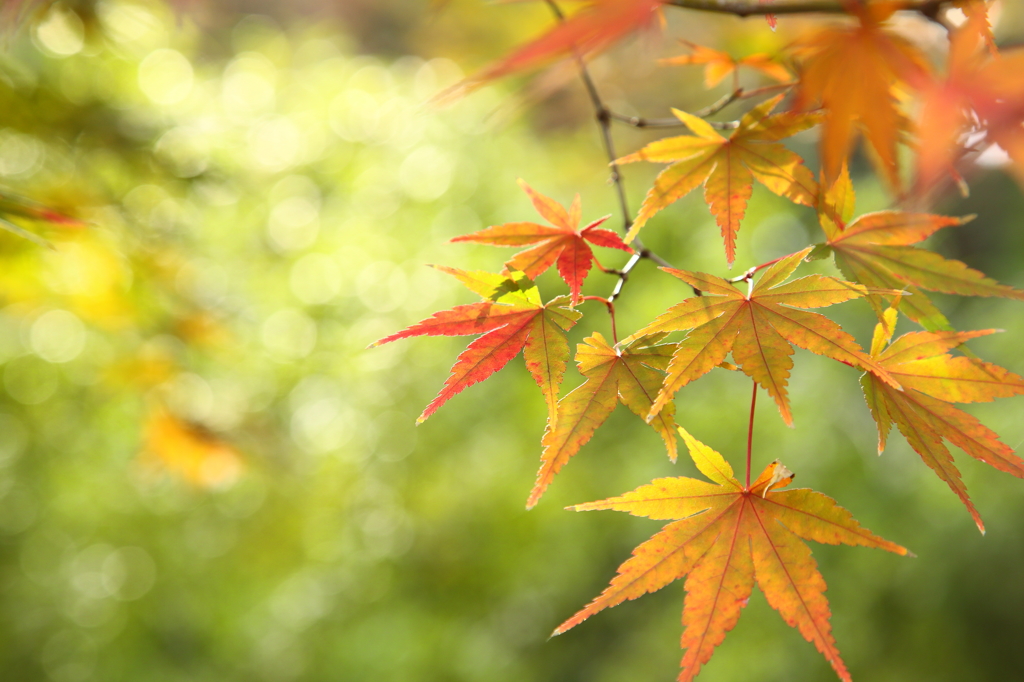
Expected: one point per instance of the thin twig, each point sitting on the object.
(722, 103)
(638, 122)
(624, 275)
(604, 119)
(610, 305)
(710, 110)
(749, 274)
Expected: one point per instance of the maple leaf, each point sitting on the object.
(932, 379)
(718, 65)
(632, 376)
(560, 243)
(977, 10)
(877, 250)
(981, 93)
(727, 167)
(511, 318)
(759, 328)
(596, 27)
(850, 71)
(728, 537)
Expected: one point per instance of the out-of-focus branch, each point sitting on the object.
(740, 8)
(710, 110)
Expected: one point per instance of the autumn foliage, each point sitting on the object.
(853, 79)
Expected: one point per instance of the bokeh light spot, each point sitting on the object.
(165, 76)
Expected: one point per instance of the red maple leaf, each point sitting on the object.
(511, 318)
(562, 242)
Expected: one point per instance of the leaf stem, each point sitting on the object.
(607, 271)
(610, 304)
(750, 431)
(749, 274)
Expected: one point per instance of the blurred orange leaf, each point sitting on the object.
(983, 92)
(597, 26)
(190, 451)
(718, 65)
(851, 73)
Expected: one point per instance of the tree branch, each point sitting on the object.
(710, 110)
(604, 118)
(739, 8)
(638, 122)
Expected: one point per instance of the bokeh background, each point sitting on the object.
(204, 474)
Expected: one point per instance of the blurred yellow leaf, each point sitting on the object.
(189, 451)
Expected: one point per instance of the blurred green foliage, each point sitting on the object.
(204, 475)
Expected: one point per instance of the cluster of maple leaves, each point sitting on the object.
(847, 79)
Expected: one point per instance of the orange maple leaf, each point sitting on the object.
(759, 328)
(981, 93)
(877, 250)
(977, 10)
(632, 376)
(718, 65)
(932, 379)
(851, 71)
(564, 243)
(727, 167)
(596, 27)
(511, 318)
(728, 537)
